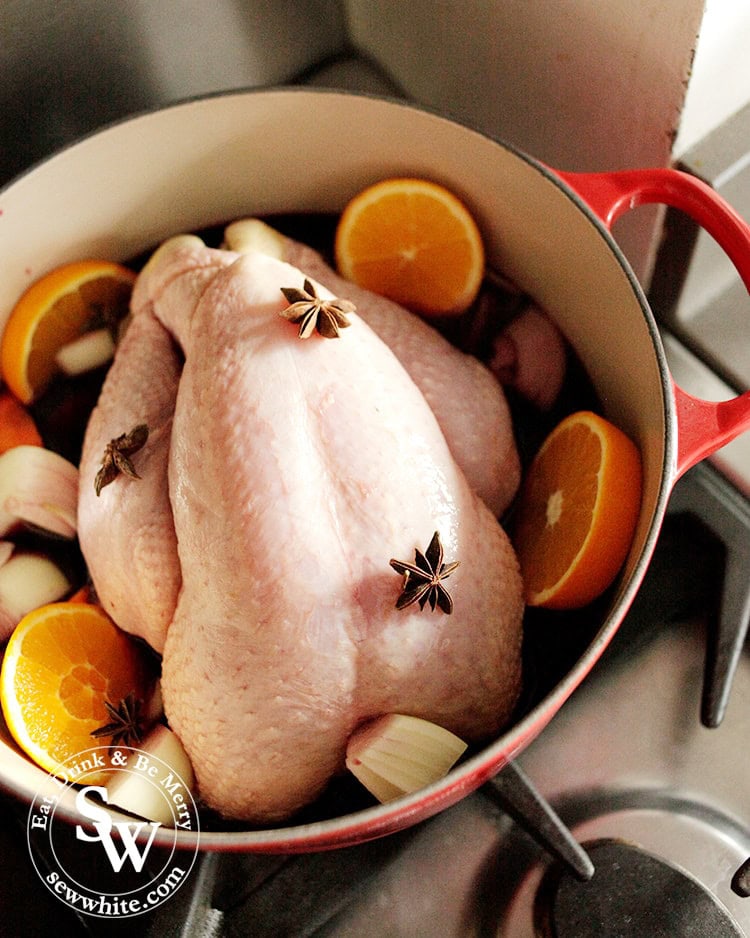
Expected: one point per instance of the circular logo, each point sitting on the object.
(95, 857)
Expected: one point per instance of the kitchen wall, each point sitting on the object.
(580, 84)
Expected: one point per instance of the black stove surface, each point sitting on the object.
(632, 893)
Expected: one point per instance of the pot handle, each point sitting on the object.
(703, 426)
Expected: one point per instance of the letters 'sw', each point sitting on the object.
(128, 831)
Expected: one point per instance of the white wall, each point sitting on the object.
(720, 80)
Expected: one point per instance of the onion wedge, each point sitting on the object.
(39, 488)
(86, 353)
(27, 581)
(136, 792)
(396, 754)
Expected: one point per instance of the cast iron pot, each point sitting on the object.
(211, 160)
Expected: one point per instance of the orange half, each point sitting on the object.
(414, 242)
(577, 512)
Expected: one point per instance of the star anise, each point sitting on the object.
(126, 724)
(312, 312)
(116, 458)
(423, 579)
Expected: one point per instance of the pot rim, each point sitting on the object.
(378, 820)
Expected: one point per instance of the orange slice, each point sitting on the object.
(577, 512)
(53, 311)
(414, 242)
(62, 662)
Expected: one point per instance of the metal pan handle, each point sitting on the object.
(703, 426)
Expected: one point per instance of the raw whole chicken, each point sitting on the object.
(279, 478)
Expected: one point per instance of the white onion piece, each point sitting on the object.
(27, 581)
(6, 551)
(86, 353)
(175, 243)
(252, 234)
(396, 754)
(136, 792)
(38, 487)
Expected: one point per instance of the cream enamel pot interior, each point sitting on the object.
(124, 189)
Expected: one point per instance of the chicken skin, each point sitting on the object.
(468, 402)
(287, 472)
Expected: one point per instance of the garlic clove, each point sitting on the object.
(86, 353)
(27, 581)
(38, 487)
(396, 754)
(152, 797)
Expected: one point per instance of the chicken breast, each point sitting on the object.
(296, 470)
(467, 400)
